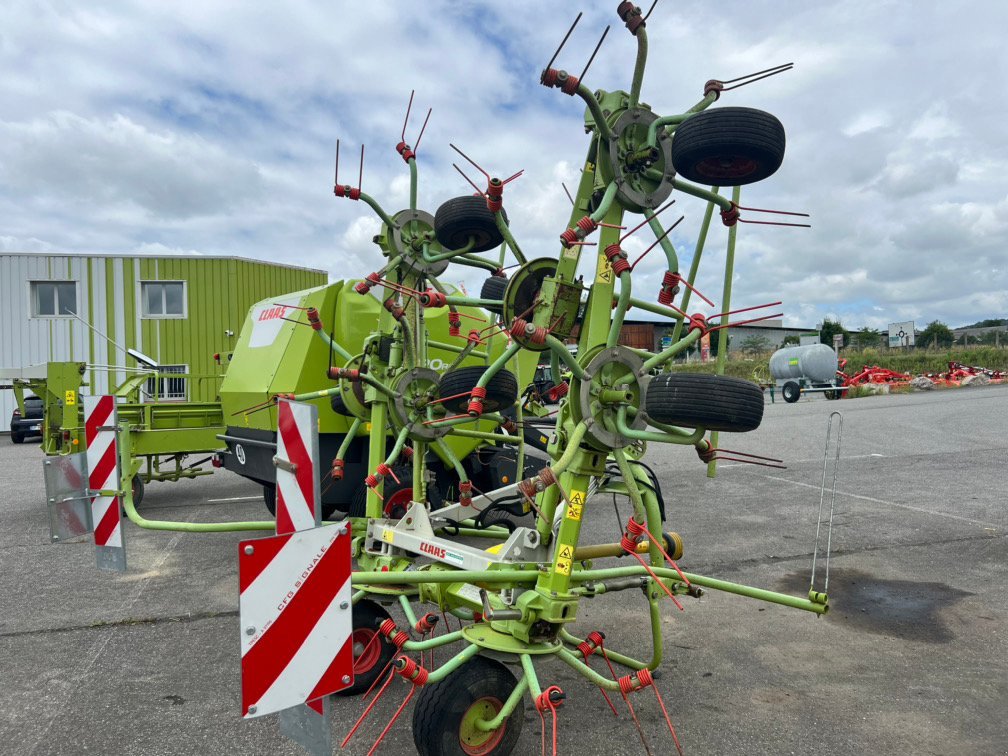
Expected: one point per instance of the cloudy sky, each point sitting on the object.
(210, 128)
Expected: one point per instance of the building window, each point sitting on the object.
(164, 387)
(163, 299)
(54, 299)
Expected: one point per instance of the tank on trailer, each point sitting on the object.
(812, 367)
(814, 362)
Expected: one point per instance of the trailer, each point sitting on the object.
(807, 369)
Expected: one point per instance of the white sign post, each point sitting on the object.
(901, 334)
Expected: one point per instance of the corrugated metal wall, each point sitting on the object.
(219, 292)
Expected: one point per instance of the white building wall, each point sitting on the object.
(27, 340)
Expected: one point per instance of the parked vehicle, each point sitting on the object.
(812, 367)
(28, 423)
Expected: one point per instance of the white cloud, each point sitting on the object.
(211, 128)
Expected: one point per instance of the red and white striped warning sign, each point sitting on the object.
(103, 468)
(297, 460)
(295, 618)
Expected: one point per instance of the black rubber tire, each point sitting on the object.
(831, 394)
(389, 490)
(441, 706)
(16, 438)
(791, 392)
(729, 146)
(493, 288)
(502, 391)
(339, 406)
(714, 402)
(461, 217)
(138, 490)
(367, 616)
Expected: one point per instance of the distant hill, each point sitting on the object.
(989, 323)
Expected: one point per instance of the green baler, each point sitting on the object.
(278, 352)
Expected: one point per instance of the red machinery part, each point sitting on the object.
(433, 298)
(567, 84)
(341, 190)
(404, 149)
(475, 408)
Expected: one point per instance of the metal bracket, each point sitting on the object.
(414, 534)
(285, 465)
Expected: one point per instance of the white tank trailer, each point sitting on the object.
(812, 367)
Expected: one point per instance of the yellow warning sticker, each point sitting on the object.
(604, 273)
(564, 566)
(70, 398)
(575, 505)
(566, 552)
(388, 536)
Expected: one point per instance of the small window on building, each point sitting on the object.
(54, 299)
(163, 299)
(164, 387)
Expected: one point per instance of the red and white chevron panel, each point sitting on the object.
(295, 618)
(103, 468)
(298, 498)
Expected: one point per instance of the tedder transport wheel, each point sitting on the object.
(371, 651)
(502, 390)
(790, 391)
(138, 490)
(714, 402)
(461, 217)
(269, 498)
(728, 146)
(444, 720)
(493, 288)
(397, 496)
(339, 406)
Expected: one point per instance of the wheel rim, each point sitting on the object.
(721, 168)
(475, 742)
(398, 503)
(366, 653)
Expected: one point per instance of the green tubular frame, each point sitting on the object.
(548, 593)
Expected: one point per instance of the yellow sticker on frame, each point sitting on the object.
(564, 566)
(70, 398)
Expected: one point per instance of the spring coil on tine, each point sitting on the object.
(475, 408)
(396, 637)
(521, 328)
(617, 259)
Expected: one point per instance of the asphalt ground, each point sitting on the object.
(912, 658)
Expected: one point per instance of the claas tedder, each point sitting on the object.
(517, 599)
(508, 564)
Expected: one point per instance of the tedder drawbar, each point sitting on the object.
(315, 598)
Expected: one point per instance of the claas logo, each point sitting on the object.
(272, 313)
